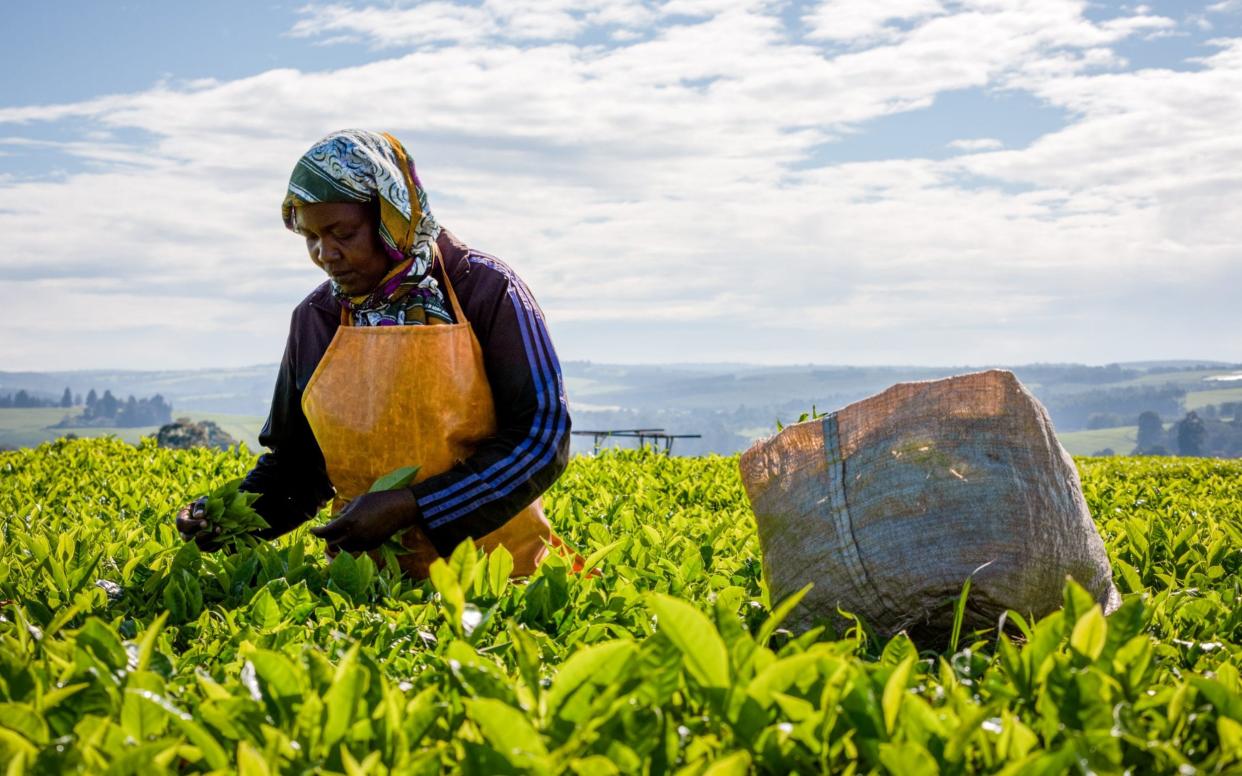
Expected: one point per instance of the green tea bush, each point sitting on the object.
(126, 650)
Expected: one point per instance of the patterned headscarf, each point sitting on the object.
(355, 165)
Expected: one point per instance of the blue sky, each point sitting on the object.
(832, 181)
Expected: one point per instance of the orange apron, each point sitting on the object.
(384, 397)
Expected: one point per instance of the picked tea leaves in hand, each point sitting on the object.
(230, 510)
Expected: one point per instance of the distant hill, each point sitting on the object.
(729, 405)
(1177, 364)
(31, 427)
(239, 391)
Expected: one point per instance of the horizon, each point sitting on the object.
(1093, 408)
(1210, 363)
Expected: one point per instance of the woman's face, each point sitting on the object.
(343, 240)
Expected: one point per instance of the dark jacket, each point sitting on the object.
(506, 472)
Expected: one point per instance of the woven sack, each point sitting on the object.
(891, 503)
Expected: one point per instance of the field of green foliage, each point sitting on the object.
(124, 650)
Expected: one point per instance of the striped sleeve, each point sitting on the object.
(531, 446)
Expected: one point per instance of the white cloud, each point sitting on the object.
(665, 181)
(384, 27)
(862, 20)
(440, 21)
(976, 144)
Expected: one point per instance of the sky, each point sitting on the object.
(928, 182)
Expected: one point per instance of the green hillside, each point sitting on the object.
(33, 426)
(1120, 440)
(727, 405)
(1196, 400)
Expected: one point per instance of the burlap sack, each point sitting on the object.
(891, 503)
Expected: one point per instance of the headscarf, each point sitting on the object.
(355, 165)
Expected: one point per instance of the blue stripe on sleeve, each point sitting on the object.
(539, 373)
(536, 450)
(548, 427)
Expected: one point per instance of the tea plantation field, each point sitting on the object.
(122, 650)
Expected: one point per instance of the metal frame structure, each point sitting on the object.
(656, 436)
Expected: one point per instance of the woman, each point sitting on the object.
(417, 350)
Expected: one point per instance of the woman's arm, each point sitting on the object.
(531, 446)
(291, 476)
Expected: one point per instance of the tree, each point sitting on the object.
(161, 410)
(107, 406)
(1190, 435)
(129, 414)
(1150, 430)
(91, 398)
(66, 398)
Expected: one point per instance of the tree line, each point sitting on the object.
(109, 411)
(24, 400)
(1111, 407)
(1212, 431)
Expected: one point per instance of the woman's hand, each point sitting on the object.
(367, 521)
(192, 524)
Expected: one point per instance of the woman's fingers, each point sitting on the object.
(335, 531)
(339, 534)
(188, 526)
(332, 532)
(206, 540)
(192, 520)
